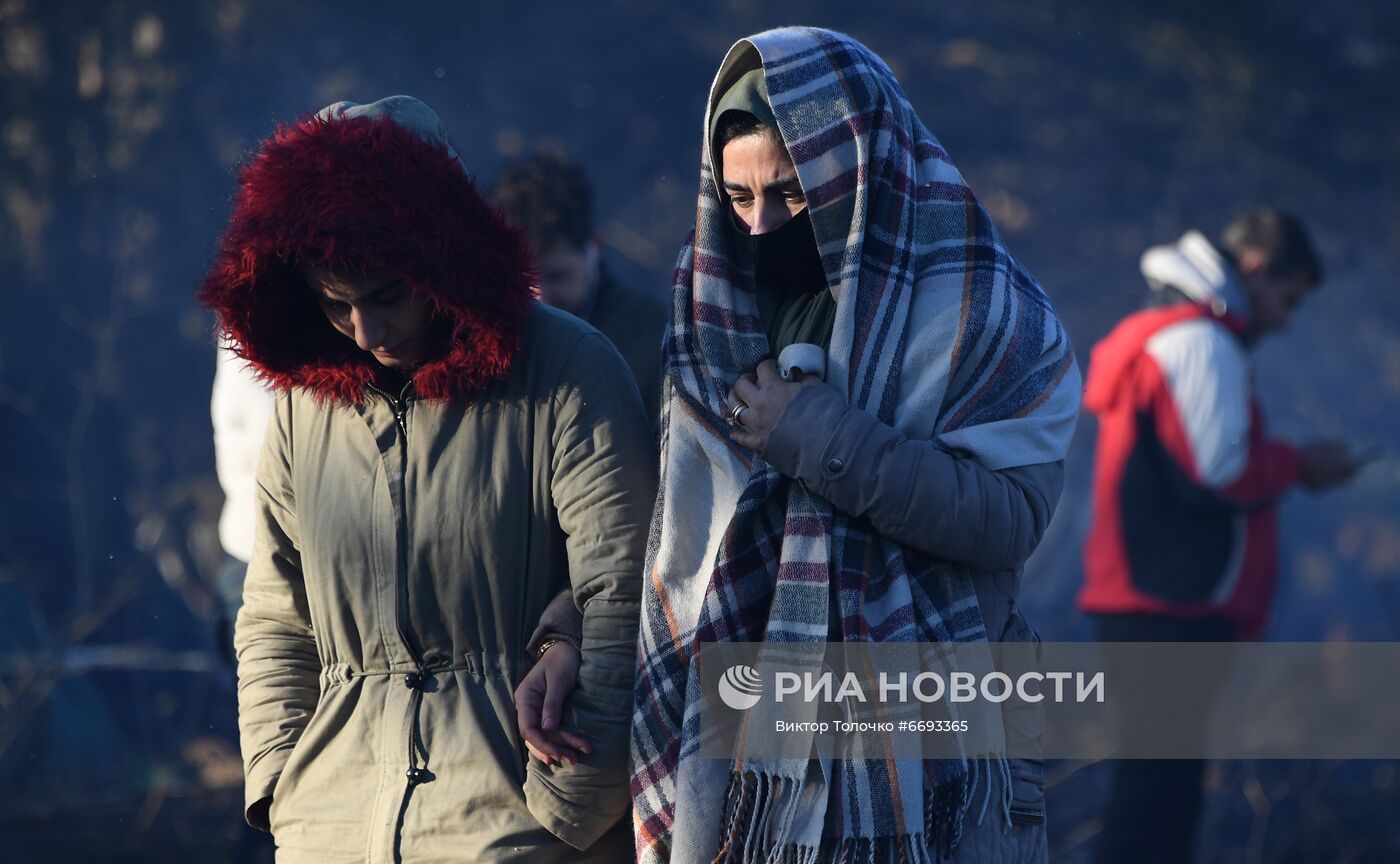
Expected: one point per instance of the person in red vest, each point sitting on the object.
(1182, 545)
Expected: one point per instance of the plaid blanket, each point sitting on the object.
(939, 333)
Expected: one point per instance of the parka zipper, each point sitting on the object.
(400, 405)
(416, 681)
(401, 414)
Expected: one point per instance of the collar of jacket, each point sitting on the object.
(1168, 297)
(366, 194)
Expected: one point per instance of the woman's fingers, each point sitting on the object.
(574, 740)
(559, 687)
(539, 705)
(529, 706)
(550, 746)
(768, 373)
(745, 389)
(559, 666)
(538, 742)
(538, 753)
(529, 696)
(559, 746)
(555, 745)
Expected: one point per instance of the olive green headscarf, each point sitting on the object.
(789, 316)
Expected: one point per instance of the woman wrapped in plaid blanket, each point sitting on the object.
(849, 230)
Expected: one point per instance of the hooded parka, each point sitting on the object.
(408, 538)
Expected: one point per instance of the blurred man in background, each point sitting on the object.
(551, 198)
(1182, 546)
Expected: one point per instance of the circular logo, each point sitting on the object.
(740, 687)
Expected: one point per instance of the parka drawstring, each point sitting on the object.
(418, 683)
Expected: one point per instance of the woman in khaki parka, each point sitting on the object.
(446, 455)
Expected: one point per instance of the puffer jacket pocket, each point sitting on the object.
(1027, 791)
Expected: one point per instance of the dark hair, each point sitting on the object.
(734, 124)
(548, 196)
(1277, 235)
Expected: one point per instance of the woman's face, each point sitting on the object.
(762, 182)
(377, 311)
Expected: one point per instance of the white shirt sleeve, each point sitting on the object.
(240, 408)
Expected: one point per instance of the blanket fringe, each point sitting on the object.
(760, 811)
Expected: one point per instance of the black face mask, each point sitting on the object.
(786, 261)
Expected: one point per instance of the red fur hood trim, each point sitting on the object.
(366, 195)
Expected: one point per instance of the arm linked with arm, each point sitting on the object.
(603, 485)
(559, 620)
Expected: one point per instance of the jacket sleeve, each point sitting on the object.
(1210, 396)
(278, 667)
(913, 492)
(1273, 468)
(603, 485)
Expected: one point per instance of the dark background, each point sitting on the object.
(1089, 129)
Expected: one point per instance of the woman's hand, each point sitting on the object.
(765, 395)
(539, 701)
